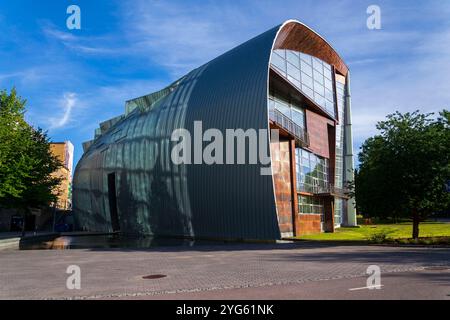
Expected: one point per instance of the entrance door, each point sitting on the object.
(113, 201)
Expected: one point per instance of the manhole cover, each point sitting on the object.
(437, 268)
(154, 276)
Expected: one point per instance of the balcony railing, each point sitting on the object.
(299, 133)
(328, 189)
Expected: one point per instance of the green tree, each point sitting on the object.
(13, 133)
(26, 162)
(404, 168)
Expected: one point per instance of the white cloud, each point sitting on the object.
(93, 45)
(418, 80)
(183, 36)
(67, 103)
(26, 76)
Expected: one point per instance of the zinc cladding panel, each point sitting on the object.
(232, 93)
(154, 195)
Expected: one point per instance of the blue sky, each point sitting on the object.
(74, 79)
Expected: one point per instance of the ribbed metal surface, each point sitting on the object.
(233, 200)
(154, 195)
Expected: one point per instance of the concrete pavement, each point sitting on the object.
(238, 271)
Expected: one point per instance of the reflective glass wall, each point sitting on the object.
(312, 171)
(310, 75)
(338, 210)
(339, 164)
(291, 110)
(311, 205)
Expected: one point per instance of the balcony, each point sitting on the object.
(327, 190)
(300, 135)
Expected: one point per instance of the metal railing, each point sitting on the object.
(323, 190)
(299, 133)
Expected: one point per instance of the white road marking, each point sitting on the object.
(369, 287)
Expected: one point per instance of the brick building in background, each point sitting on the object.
(64, 152)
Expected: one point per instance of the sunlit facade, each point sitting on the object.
(63, 151)
(288, 78)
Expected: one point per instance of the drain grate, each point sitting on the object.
(437, 268)
(154, 276)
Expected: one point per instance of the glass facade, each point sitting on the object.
(315, 79)
(339, 164)
(310, 75)
(310, 205)
(338, 210)
(291, 110)
(340, 135)
(312, 171)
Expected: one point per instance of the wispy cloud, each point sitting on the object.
(181, 36)
(67, 103)
(95, 45)
(418, 80)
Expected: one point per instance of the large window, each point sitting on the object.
(338, 211)
(310, 205)
(291, 110)
(339, 166)
(312, 171)
(310, 75)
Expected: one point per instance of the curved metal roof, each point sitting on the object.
(294, 35)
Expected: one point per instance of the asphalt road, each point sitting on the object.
(244, 271)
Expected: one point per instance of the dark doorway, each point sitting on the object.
(113, 201)
(16, 224)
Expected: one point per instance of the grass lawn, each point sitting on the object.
(392, 231)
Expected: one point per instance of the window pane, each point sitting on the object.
(317, 64)
(280, 52)
(329, 95)
(309, 92)
(283, 108)
(328, 84)
(307, 81)
(329, 106)
(318, 77)
(293, 71)
(306, 58)
(318, 88)
(306, 68)
(294, 81)
(320, 100)
(293, 57)
(279, 63)
(298, 117)
(328, 74)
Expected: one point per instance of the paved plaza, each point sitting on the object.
(233, 271)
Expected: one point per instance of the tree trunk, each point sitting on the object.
(416, 221)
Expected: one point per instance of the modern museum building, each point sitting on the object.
(288, 83)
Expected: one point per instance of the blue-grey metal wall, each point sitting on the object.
(154, 196)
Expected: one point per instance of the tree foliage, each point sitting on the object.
(404, 168)
(26, 162)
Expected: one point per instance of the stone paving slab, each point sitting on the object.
(115, 273)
